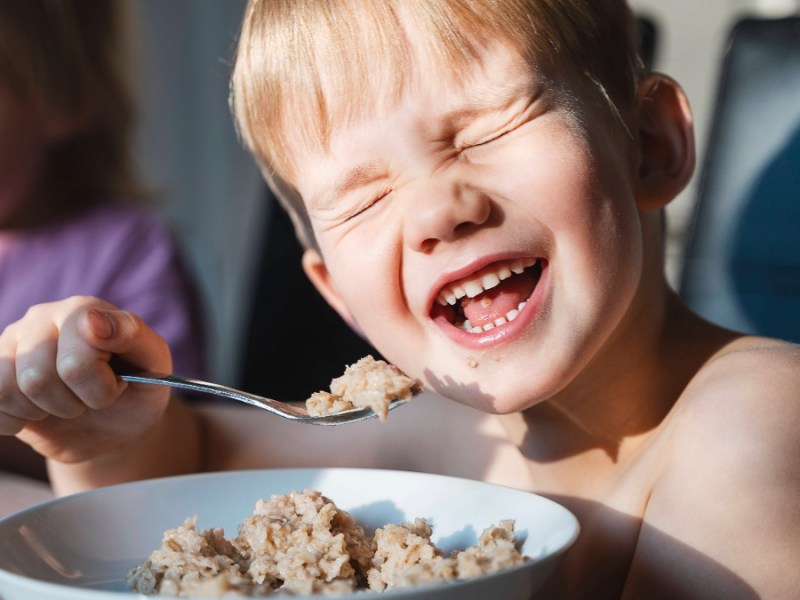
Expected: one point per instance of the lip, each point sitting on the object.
(504, 332)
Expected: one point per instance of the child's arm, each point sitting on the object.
(59, 394)
(723, 520)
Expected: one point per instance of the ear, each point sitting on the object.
(666, 142)
(317, 272)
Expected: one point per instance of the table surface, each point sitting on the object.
(17, 493)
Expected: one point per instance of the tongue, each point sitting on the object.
(498, 301)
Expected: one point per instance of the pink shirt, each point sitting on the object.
(125, 255)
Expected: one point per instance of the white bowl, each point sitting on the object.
(81, 547)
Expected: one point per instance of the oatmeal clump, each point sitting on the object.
(368, 383)
(301, 543)
(406, 557)
(193, 562)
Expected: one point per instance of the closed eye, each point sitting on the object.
(369, 204)
(482, 148)
(532, 108)
(492, 137)
(486, 140)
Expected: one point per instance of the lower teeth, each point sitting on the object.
(510, 316)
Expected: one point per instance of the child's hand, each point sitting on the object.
(58, 392)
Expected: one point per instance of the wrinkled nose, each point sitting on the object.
(443, 213)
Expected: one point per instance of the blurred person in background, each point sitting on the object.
(74, 218)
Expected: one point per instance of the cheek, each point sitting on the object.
(596, 209)
(588, 207)
(603, 242)
(366, 278)
(374, 291)
(602, 279)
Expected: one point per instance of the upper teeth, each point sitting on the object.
(484, 280)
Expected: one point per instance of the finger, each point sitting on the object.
(82, 361)
(15, 408)
(30, 349)
(10, 425)
(84, 368)
(20, 407)
(25, 390)
(125, 335)
(38, 380)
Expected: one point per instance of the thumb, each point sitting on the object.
(124, 334)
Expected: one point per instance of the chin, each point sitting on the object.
(479, 393)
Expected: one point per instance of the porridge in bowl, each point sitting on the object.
(301, 543)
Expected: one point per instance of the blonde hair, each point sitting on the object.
(297, 59)
(67, 58)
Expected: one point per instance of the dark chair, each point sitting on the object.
(742, 261)
(295, 343)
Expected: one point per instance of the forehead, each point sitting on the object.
(493, 74)
(433, 111)
(337, 66)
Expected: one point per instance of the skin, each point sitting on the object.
(672, 440)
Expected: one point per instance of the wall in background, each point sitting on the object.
(188, 150)
(211, 189)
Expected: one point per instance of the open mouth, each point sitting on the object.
(490, 298)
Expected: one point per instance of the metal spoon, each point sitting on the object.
(293, 412)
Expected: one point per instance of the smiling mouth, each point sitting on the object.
(490, 298)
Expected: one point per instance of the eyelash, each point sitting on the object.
(375, 199)
(485, 141)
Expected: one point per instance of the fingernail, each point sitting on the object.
(101, 324)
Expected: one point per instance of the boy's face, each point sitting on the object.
(451, 191)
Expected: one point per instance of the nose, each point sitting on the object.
(443, 213)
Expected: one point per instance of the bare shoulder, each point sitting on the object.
(751, 387)
(742, 408)
(724, 507)
(759, 360)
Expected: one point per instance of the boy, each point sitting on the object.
(480, 188)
